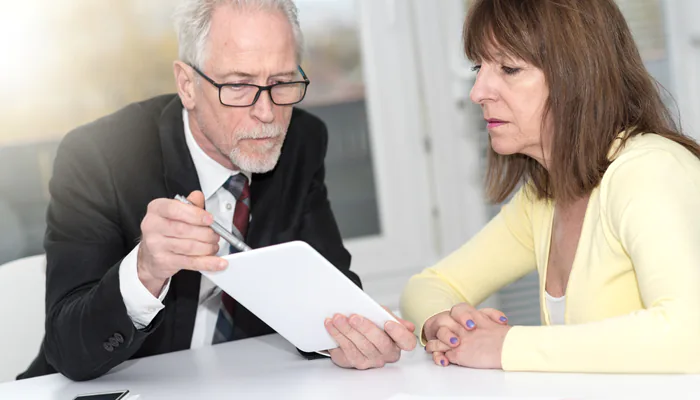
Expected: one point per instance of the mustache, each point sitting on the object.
(261, 132)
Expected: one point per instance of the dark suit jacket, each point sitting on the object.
(105, 174)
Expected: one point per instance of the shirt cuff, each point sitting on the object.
(141, 306)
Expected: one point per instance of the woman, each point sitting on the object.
(606, 203)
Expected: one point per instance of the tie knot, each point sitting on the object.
(238, 186)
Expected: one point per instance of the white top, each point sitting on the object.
(556, 306)
(140, 304)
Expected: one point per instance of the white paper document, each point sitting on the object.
(293, 289)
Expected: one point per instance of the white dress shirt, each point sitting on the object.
(141, 305)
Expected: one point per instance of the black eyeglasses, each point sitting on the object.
(247, 94)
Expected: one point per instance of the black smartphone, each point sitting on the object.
(118, 395)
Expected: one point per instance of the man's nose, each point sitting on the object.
(262, 110)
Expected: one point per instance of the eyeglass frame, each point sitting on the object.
(261, 89)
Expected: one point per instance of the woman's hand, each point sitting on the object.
(453, 336)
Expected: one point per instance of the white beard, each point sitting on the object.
(266, 158)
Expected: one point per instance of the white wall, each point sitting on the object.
(684, 50)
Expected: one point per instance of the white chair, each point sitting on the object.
(22, 288)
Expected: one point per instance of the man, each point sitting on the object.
(123, 256)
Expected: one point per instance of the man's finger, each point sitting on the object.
(208, 263)
(342, 324)
(408, 324)
(338, 357)
(196, 198)
(181, 230)
(178, 211)
(403, 338)
(188, 247)
(381, 341)
(351, 354)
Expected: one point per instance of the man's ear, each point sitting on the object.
(185, 81)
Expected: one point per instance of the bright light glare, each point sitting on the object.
(21, 30)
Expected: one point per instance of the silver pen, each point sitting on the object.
(228, 236)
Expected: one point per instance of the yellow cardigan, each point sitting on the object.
(633, 297)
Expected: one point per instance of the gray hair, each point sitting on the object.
(193, 22)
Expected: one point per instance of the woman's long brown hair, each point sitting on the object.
(598, 88)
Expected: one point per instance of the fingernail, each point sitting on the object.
(223, 264)
(442, 362)
(453, 340)
(356, 320)
(470, 324)
(503, 319)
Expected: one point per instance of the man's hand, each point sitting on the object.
(176, 236)
(449, 330)
(363, 345)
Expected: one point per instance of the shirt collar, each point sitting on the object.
(211, 174)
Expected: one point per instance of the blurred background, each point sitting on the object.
(406, 152)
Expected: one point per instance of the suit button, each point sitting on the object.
(119, 337)
(108, 347)
(112, 341)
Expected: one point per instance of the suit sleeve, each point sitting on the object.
(88, 330)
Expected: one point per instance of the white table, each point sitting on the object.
(269, 367)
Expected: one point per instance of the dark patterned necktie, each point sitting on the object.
(238, 186)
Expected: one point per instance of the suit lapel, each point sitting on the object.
(180, 177)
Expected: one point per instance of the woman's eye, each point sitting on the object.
(476, 68)
(510, 70)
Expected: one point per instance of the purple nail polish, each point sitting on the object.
(470, 324)
(442, 362)
(503, 319)
(453, 340)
